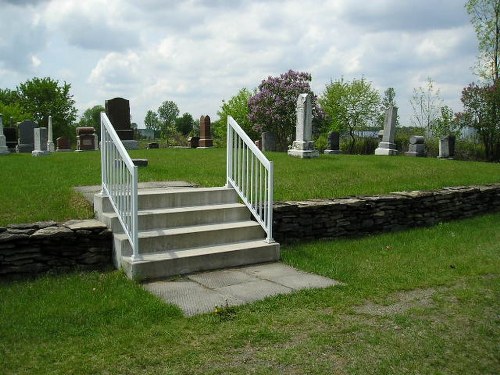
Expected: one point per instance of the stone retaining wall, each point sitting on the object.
(27, 250)
(333, 218)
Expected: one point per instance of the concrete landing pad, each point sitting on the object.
(201, 293)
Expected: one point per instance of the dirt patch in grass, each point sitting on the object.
(404, 301)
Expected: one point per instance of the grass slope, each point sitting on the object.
(424, 301)
(33, 189)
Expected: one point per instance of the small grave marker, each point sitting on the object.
(417, 146)
(333, 143)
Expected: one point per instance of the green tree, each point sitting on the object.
(92, 118)
(446, 124)
(151, 121)
(485, 17)
(426, 105)
(41, 97)
(350, 106)
(10, 107)
(184, 124)
(237, 108)
(480, 111)
(167, 113)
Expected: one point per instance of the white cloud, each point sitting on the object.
(199, 52)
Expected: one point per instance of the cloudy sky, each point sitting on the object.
(199, 52)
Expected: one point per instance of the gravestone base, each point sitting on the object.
(140, 162)
(4, 150)
(63, 150)
(303, 154)
(205, 143)
(386, 148)
(130, 144)
(39, 153)
(332, 152)
(24, 148)
(303, 150)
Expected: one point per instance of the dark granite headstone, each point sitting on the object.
(63, 144)
(85, 139)
(268, 141)
(333, 143)
(194, 142)
(26, 142)
(153, 145)
(205, 134)
(10, 137)
(118, 112)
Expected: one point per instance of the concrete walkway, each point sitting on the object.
(201, 293)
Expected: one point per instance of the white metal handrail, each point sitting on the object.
(119, 182)
(250, 173)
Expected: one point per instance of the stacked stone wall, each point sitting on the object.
(27, 250)
(352, 217)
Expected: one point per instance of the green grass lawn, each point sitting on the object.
(35, 189)
(424, 301)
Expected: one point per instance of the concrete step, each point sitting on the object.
(173, 198)
(178, 262)
(182, 216)
(158, 240)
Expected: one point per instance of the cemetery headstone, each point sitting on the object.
(63, 144)
(417, 146)
(194, 142)
(333, 143)
(205, 133)
(387, 146)
(26, 141)
(50, 141)
(40, 136)
(10, 138)
(4, 150)
(447, 147)
(268, 141)
(258, 143)
(153, 145)
(118, 112)
(303, 146)
(85, 139)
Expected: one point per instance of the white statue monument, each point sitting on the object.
(303, 146)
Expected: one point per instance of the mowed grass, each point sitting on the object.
(35, 189)
(424, 301)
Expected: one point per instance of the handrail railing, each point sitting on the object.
(119, 181)
(250, 173)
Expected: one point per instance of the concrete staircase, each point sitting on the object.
(187, 230)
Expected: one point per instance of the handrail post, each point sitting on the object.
(270, 203)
